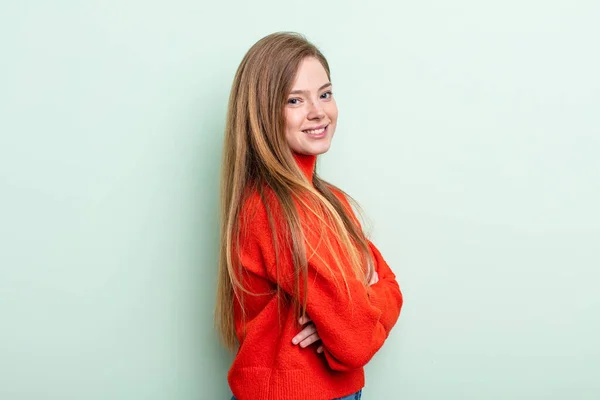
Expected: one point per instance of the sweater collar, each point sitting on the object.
(307, 164)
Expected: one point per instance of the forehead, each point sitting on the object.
(310, 76)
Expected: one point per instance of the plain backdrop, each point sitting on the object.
(468, 130)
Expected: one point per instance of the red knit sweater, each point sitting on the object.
(267, 365)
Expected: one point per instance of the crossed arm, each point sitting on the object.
(350, 330)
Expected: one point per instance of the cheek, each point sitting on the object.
(332, 111)
(293, 121)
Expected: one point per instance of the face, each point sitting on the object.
(310, 110)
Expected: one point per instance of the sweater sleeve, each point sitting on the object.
(351, 340)
(385, 295)
(352, 320)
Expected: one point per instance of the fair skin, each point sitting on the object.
(311, 105)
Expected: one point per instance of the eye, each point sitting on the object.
(291, 101)
(329, 93)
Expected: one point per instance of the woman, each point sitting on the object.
(303, 293)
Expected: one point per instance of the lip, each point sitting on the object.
(319, 136)
(315, 127)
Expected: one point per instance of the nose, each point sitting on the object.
(316, 110)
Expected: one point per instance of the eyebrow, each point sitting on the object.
(306, 91)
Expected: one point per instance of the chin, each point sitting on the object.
(316, 150)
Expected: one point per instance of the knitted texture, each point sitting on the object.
(353, 321)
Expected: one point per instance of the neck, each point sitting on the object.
(307, 164)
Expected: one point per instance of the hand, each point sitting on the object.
(374, 278)
(308, 335)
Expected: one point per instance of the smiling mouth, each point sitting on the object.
(316, 131)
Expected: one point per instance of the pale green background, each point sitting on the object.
(469, 131)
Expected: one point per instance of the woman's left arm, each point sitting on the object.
(385, 294)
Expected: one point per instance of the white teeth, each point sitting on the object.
(315, 132)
